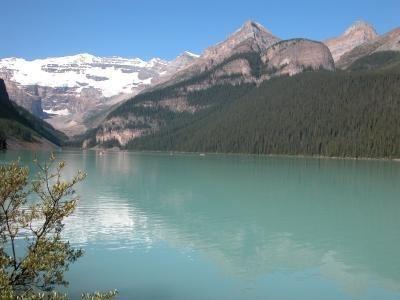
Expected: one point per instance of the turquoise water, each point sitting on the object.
(160, 226)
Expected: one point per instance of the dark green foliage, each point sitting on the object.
(214, 98)
(386, 60)
(14, 129)
(314, 113)
(3, 141)
(41, 127)
(218, 94)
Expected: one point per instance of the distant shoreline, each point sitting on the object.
(113, 150)
(203, 154)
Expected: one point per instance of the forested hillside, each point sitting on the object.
(342, 113)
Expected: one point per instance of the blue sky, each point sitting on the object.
(146, 28)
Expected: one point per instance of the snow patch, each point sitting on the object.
(80, 71)
(60, 112)
(192, 54)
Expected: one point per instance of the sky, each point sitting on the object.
(46, 28)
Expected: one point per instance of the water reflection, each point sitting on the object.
(249, 216)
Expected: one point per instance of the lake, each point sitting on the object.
(188, 227)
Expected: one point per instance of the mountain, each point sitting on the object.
(340, 114)
(251, 93)
(357, 34)
(248, 57)
(19, 128)
(387, 42)
(281, 99)
(251, 37)
(70, 86)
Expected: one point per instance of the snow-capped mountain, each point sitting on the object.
(80, 83)
(110, 76)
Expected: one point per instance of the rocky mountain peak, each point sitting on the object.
(361, 27)
(182, 61)
(253, 30)
(252, 27)
(249, 37)
(357, 34)
(186, 58)
(389, 41)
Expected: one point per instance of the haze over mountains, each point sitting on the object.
(84, 92)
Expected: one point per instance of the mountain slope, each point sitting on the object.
(354, 36)
(151, 111)
(17, 125)
(387, 42)
(345, 114)
(385, 61)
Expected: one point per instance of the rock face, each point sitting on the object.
(294, 56)
(30, 102)
(251, 37)
(356, 35)
(387, 42)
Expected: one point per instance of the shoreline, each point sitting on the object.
(203, 154)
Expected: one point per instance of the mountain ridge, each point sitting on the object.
(355, 35)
